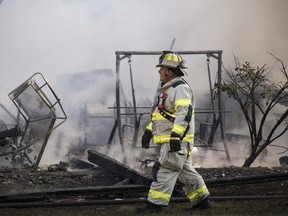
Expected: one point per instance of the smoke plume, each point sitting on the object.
(65, 37)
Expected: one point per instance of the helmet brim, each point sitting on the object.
(164, 65)
(180, 72)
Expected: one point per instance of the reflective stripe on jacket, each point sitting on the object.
(179, 104)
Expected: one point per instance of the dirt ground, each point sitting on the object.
(81, 174)
(232, 208)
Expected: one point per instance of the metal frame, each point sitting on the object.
(31, 83)
(121, 55)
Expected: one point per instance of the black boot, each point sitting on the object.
(149, 208)
(204, 204)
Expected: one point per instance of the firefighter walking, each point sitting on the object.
(172, 127)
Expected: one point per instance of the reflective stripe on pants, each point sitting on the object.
(177, 165)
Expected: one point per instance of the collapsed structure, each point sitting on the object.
(39, 113)
(215, 109)
(130, 118)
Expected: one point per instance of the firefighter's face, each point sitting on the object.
(164, 74)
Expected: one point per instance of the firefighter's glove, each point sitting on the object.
(146, 139)
(175, 144)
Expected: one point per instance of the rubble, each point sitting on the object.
(62, 166)
(78, 173)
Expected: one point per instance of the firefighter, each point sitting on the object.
(172, 127)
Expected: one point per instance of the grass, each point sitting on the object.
(231, 208)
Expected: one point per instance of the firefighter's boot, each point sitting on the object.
(149, 208)
(203, 205)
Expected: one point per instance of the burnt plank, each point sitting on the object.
(122, 170)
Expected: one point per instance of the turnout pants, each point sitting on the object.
(173, 166)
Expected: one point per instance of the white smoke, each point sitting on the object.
(59, 37)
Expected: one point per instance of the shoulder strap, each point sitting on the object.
(161, 100)
(178, 83)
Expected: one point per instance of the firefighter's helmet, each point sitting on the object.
(172, 61)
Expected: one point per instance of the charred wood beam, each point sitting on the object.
(117, 168)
